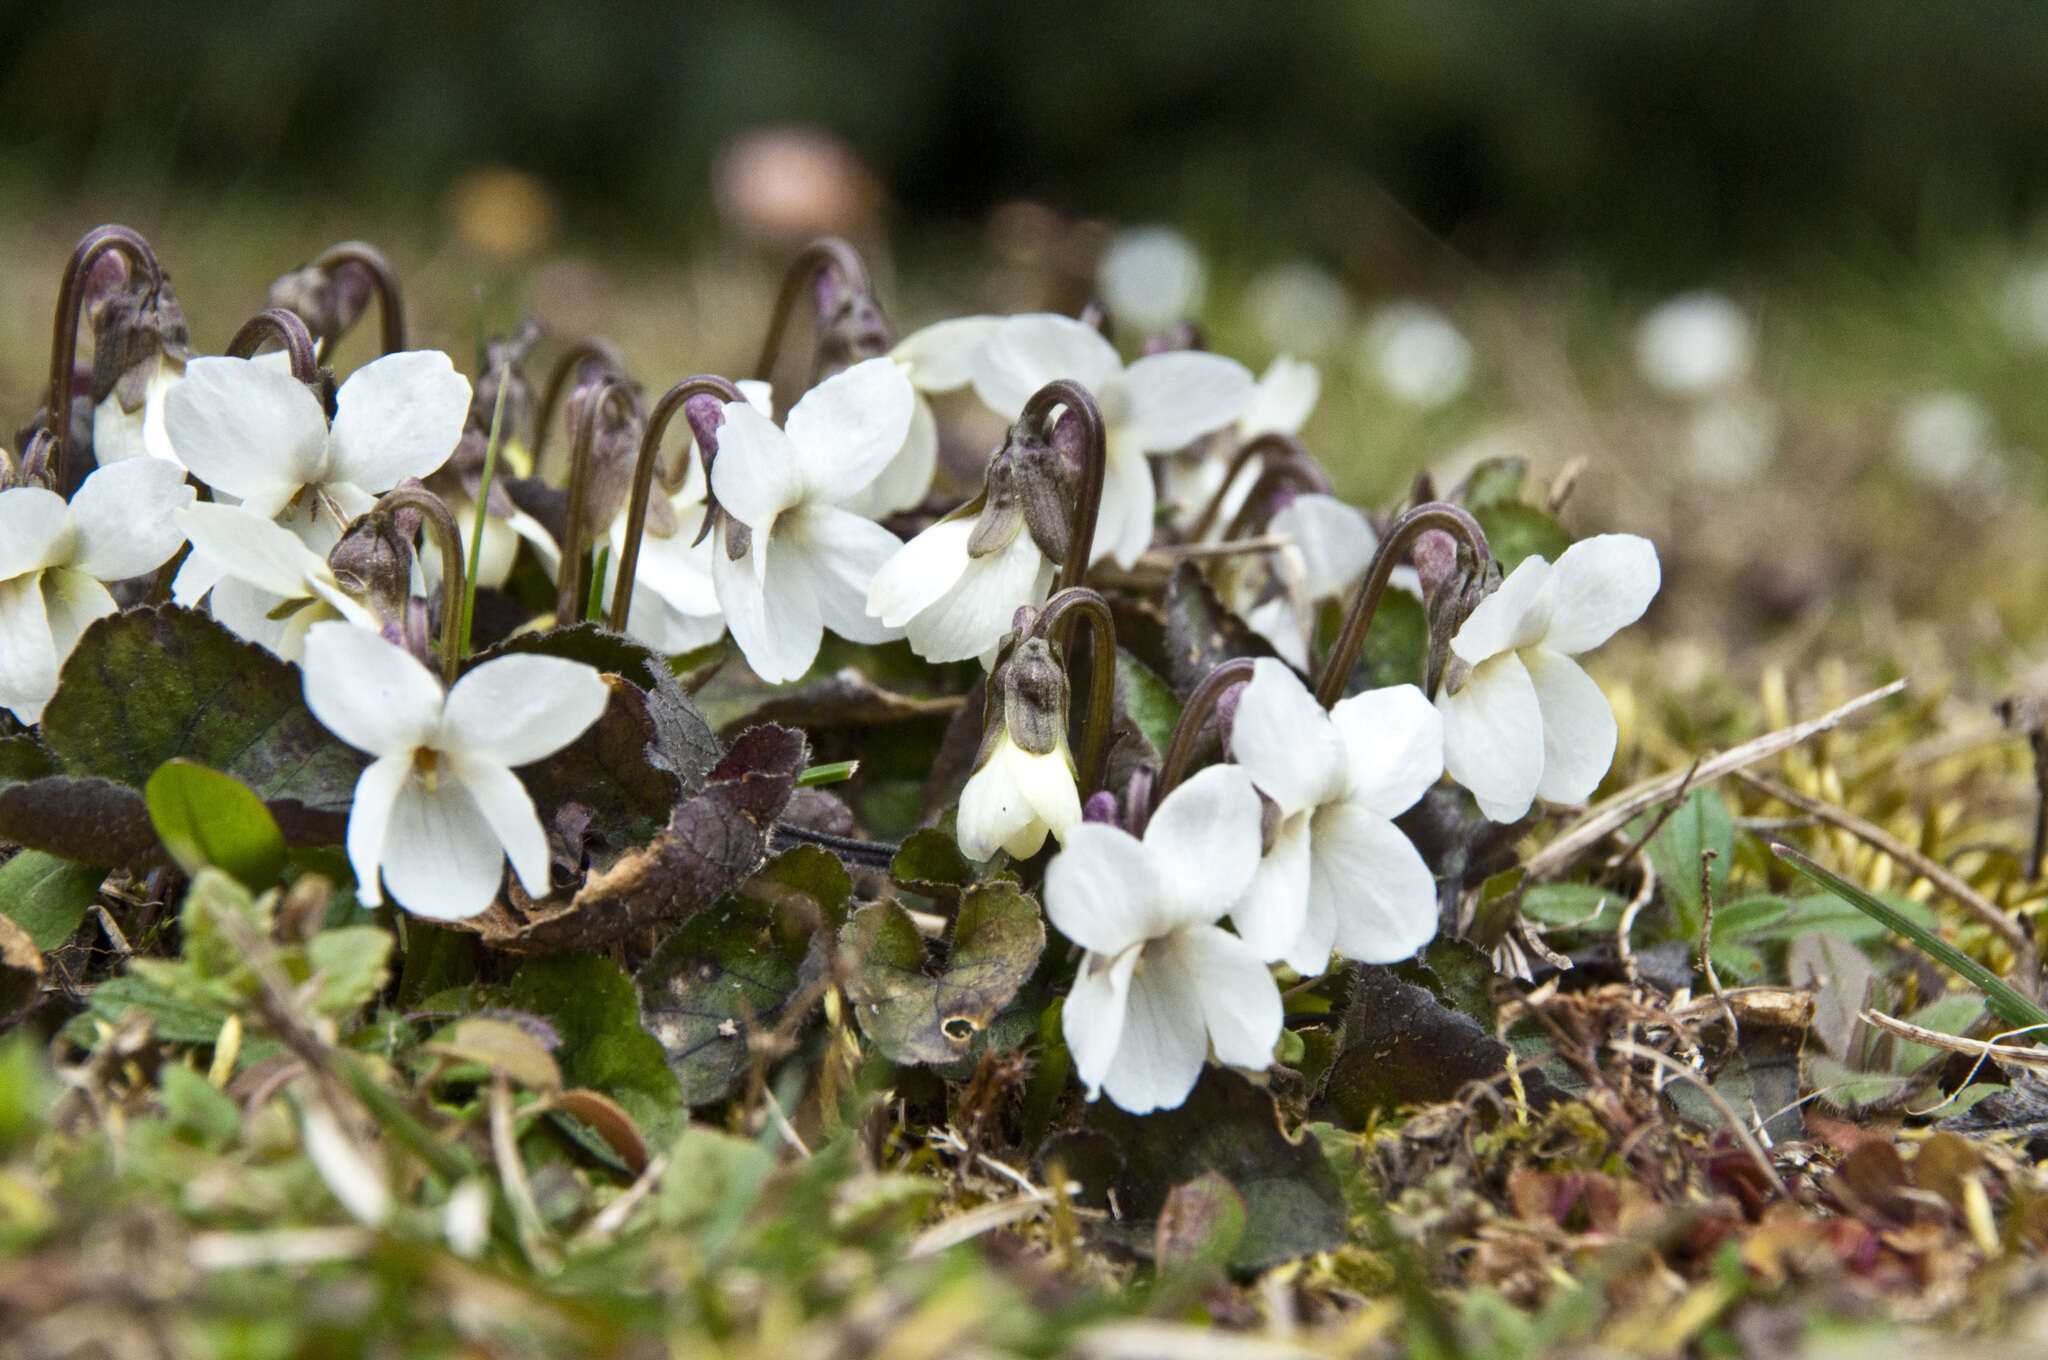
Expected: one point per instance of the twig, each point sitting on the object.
(1735, 1125)
(613, 1216)
(2033, 1059)
(1558, 856)
(2027, 960)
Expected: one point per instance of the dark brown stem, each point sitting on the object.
(390, 306)
(582, 448)
(1306, 477)
(704, 384)
(1094, 463)
(1187, 733)
(1056, 622)
(288, 329)
(827, 252)
(64, 329)
(440, 526)
(1268, 447)
(1408, 528)
(596, 349)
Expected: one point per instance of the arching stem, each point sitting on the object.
(1304, 477)
(1056, 622)
(288, 329)
(64, 329)
(704, 384)
(1394, 547)
(390, 306)
(439, 524)
(1272, 448)
(582, 448)
(827, 252)
(1187, 733)
(593, 350)
(1094, 463)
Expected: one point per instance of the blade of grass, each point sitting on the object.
(483, 497)
(837, 772)
(2005, 1000)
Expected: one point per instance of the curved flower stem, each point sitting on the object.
(439, 524)
(1302, 476)
(1272, 447)
(289, 330)
(582, 446)
(1188, 731)
(1094, 463)
(704, 384)
(390, 306)
(1056, 622)
(594, 349)
(64, 330)
(1411, 526)
(827, 252)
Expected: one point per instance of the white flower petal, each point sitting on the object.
(1515, 615)
(1165, 1042)
(1026, 352)
(993, 810)
(1124, 522)
(368, 692)
(1579, 732)
(848, 427)
(757, 474)
(442, 859)
(1092, 1019)
(1602, 585)
(125, 518)
(1177, 397)
(1282, 738)
(396, 417)
(1101, 890)
(975, 614)
(1274, 907)
(1493, 737)
(904, 480)
(1278, 622)
(244, 610)
(1335, 540)
(369, 818)
(941, 356)
(74, 601)
(250, 548)
(28, 657)
(245, 428)
(508, 807)
(1377, 889)
(1047, 784)
(515, 709)
(832, 556)
(1240, 1004)
(1393, 747)
(1283, 399)
(1204, 843)
(778, 632)
(353, 1180)
(35, 531)
(921, 573)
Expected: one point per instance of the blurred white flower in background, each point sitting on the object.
(1413, 351)
(1150, 278)
(1298, 306)
(1695, 343)
(1946, 440)
(1730, 438)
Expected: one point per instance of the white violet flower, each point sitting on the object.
(439, 811)
(54, 556)
(1160, 403)
(1340, 874)
(258, 566)
(1281, 403)
(1024, 785)
(939, 358)
(1526, 722)
(805, 562)
(1162, 986)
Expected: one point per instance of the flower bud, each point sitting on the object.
(851, 326)
(1029, 485)
(1023, 783)
(373, 560)
(329, 301)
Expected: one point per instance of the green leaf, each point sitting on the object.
(1515, 531)
(592, 1005)
(914, 1016)
(47, 896)
(1701, 823)
(930, 863)
(1950, 1014)
(181, 1018)
(1199, 1229)
(1148, 700)
(1394, 645)
(711, 987)
(196, 1107)
(2005, 1001)
(205, 817)
(1572, 905)
(1824, 912)
(352, 964)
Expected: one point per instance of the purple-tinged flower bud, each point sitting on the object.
(329, 301)
(1100, 807)
(1226, 713)
(1436, 560)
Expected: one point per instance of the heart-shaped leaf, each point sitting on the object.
(915, 1014)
